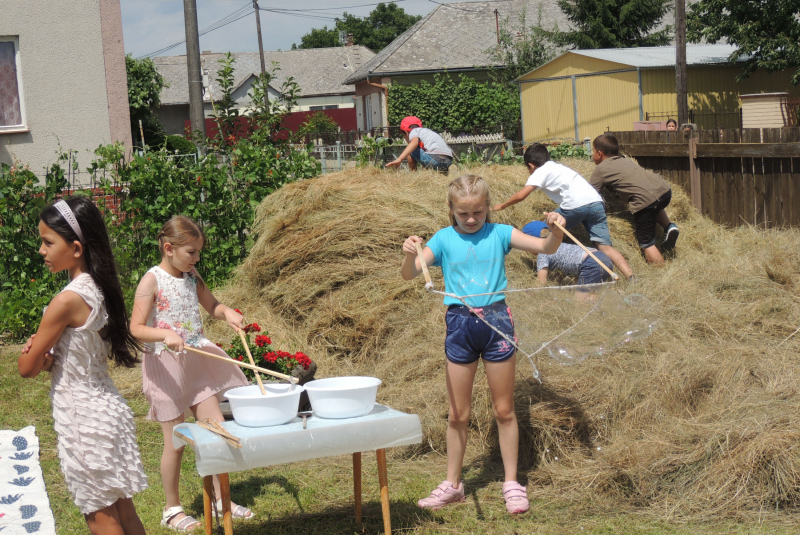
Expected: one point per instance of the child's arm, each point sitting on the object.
(514, 199)
(411, 147)
(411, 266)
(67, 309)
(548, 245)
(217, 310)
(541, 276)
(143, 302)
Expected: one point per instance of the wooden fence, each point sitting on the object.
(735, 177)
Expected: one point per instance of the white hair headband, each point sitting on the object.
(67, 214)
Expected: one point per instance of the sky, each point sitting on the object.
(149, 26)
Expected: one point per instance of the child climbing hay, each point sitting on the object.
(166, 315)
(82, 328)
(471, 253)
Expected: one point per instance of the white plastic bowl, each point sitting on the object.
(251, 408)
(342, 397)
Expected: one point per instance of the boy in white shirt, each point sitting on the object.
(577, 200)
(425, 147)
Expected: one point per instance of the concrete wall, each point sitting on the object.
(75, 90)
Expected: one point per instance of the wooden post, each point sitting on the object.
(208, 512)
(694, 176)
(357, 486)
(680, 61)
(383, 480)
(225, 490)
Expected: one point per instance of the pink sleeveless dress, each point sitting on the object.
(96, 431)
(173, 382)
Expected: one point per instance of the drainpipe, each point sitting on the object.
(385, 97)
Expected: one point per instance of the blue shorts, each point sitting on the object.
(469, 338)
(437, 162)
(591, 272)
(593, 218)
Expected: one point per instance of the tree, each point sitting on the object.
(382, 26)
(144, 96)
(613, 23)
(766, 32)
(522, 48)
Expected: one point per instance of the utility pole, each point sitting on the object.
(261, 50)
(680, 61)
(196, 115)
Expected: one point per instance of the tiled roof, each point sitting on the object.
(457, 36)
(662, 56)
(318, 71)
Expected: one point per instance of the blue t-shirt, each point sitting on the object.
(473, 263)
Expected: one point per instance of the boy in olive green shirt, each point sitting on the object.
(646, 194)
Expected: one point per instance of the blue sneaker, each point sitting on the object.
(670, 237)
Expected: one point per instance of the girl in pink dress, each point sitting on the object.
(166, 315)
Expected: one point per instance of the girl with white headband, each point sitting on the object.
(82, 328)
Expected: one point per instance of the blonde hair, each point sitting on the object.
(468, 186)
(179, 230)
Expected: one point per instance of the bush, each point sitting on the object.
(179, 145)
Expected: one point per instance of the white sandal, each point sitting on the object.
(240, 511)
(184, 524)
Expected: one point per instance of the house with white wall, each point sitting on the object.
(63, 83)
(319, 72)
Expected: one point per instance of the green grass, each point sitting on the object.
(316, 496)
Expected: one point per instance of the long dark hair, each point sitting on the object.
(103, 270)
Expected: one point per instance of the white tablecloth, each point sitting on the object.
(383, 427)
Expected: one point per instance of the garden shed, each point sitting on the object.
(584, 93)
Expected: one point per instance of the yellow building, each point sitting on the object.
(584, 93)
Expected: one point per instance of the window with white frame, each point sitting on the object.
(12, 109)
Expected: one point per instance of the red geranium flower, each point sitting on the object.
(263, 340)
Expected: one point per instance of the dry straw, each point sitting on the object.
(698, 421)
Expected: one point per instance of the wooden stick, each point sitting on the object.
(428, 282)
(222, 431)
(253, 362)
(587, 251)
(241, 364)
(234, 442)
(184, 437)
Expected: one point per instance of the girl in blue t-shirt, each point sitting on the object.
(472, 253)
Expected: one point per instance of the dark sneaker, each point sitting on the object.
(670, 237)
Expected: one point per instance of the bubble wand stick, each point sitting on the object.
(428, 282)
(587, 251)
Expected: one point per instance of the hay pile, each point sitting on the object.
(698, 421)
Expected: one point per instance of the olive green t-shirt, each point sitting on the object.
(634, 185)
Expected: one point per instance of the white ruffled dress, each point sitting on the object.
(96, 431)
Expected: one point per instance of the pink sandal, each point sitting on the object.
(516, 497)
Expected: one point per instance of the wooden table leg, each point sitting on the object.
(208, 513)
(225, 490)
(383, 480)
(357, 486)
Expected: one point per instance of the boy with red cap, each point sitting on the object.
(424, 146)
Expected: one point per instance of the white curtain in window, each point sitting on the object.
(10, 113)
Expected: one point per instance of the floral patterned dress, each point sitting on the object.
(173, 382)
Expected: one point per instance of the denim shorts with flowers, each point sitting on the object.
(470, 338)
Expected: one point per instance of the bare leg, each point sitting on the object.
(500, 376)
(653, 256)
(209, 408)
(119, 518)
(617, 258)
(663, 219)
(171, 469)
(412, 163)
(459, 391)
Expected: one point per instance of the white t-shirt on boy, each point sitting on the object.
(430, 141)
(565, 187)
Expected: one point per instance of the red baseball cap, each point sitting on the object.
(405, 124)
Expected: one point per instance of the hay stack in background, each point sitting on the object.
(696, 421)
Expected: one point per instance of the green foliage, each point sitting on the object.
(27, 286)
(522, 47)
(613, 24)
(569, 150)
(318, 122)
(179, 145)
(382, 26)
(447, 106)
(144, 97)
(767, 34)
(371, 150)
